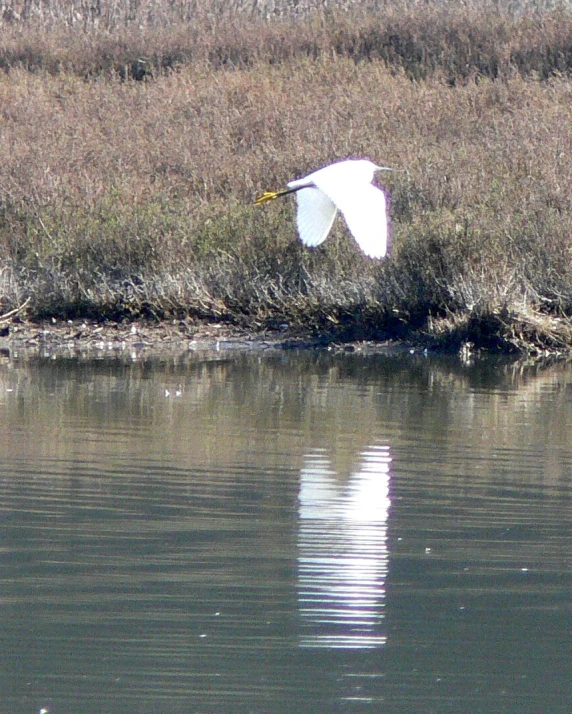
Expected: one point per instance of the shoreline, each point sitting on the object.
(80, 338)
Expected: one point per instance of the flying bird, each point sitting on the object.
(345, 186)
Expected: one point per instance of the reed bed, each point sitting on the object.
(135, 136)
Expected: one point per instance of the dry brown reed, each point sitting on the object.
(145, 39)
(122, 198)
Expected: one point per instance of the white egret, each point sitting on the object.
(345, 186)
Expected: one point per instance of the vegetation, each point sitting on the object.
(134, 137)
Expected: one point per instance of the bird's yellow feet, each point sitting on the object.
(267, 196)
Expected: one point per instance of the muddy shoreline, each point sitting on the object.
(91, 338)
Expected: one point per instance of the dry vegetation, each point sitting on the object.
(135, 135)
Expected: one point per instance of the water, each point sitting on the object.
(285, 532)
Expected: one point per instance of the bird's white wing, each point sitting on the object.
(315, 215)
(363, 207)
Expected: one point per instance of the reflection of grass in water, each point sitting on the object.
(342, 402)
(123, 198)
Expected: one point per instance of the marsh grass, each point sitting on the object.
(122, 198)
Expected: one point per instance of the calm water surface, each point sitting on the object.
(285, 533)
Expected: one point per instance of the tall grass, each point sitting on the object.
(148, 38)
(122, 198)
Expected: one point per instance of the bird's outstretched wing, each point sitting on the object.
(364, 209)
(315, 215)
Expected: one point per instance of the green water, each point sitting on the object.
(283, 532)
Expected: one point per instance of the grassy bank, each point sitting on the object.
(122, 198)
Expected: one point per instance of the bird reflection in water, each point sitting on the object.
(342, 551)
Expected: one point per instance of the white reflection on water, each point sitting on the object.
(343, 555)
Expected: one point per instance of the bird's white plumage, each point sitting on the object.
(315, 215)
(344, 186)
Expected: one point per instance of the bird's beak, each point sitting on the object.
(383, 168)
